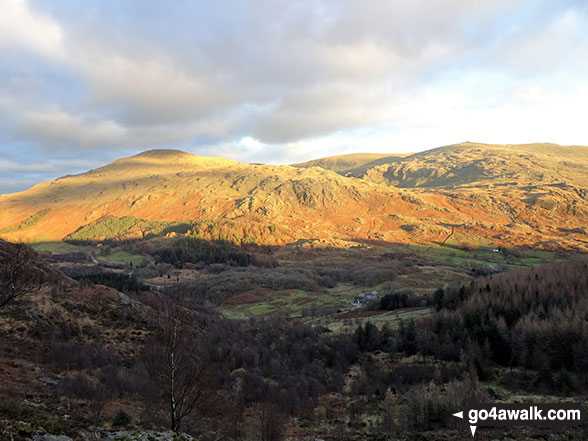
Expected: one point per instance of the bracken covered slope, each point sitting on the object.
(470, 194)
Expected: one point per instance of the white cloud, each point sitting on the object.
(559, 46)
(20, 27)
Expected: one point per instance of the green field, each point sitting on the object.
(123, 258)
(390, 318)
(102, 254)
(507, 257)
(57, 247)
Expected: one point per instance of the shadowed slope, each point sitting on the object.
(346, 163)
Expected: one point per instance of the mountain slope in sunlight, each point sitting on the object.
(469, 194)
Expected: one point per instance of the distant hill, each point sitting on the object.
(345, 163)
(467, 194)
(471, 164)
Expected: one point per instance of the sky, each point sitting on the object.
(84, 83)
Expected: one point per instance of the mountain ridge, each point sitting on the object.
(510, 195)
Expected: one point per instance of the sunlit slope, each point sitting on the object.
(491, 195)
(253, 201)
(475, 165)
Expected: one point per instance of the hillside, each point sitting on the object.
(540, 186)
(58, 342)
(174, 186)
(467, 194)
(74, 356)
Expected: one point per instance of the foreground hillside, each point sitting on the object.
(467, 194)
(75, 355)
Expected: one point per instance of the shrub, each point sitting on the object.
(197, 250)
(121, 419)
(374, 276)
(118, 281)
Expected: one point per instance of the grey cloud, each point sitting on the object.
(51, 166)
(334, 107)
(56, 128)
(12, 185)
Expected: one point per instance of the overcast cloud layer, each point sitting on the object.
(83, 83)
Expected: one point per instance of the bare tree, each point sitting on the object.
(19, 272)
(272, 423)
(178, 365)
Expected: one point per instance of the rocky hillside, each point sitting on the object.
(468, 194)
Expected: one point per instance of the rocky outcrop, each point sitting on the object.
(10, 429)
(133, 435)
(51, 438)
